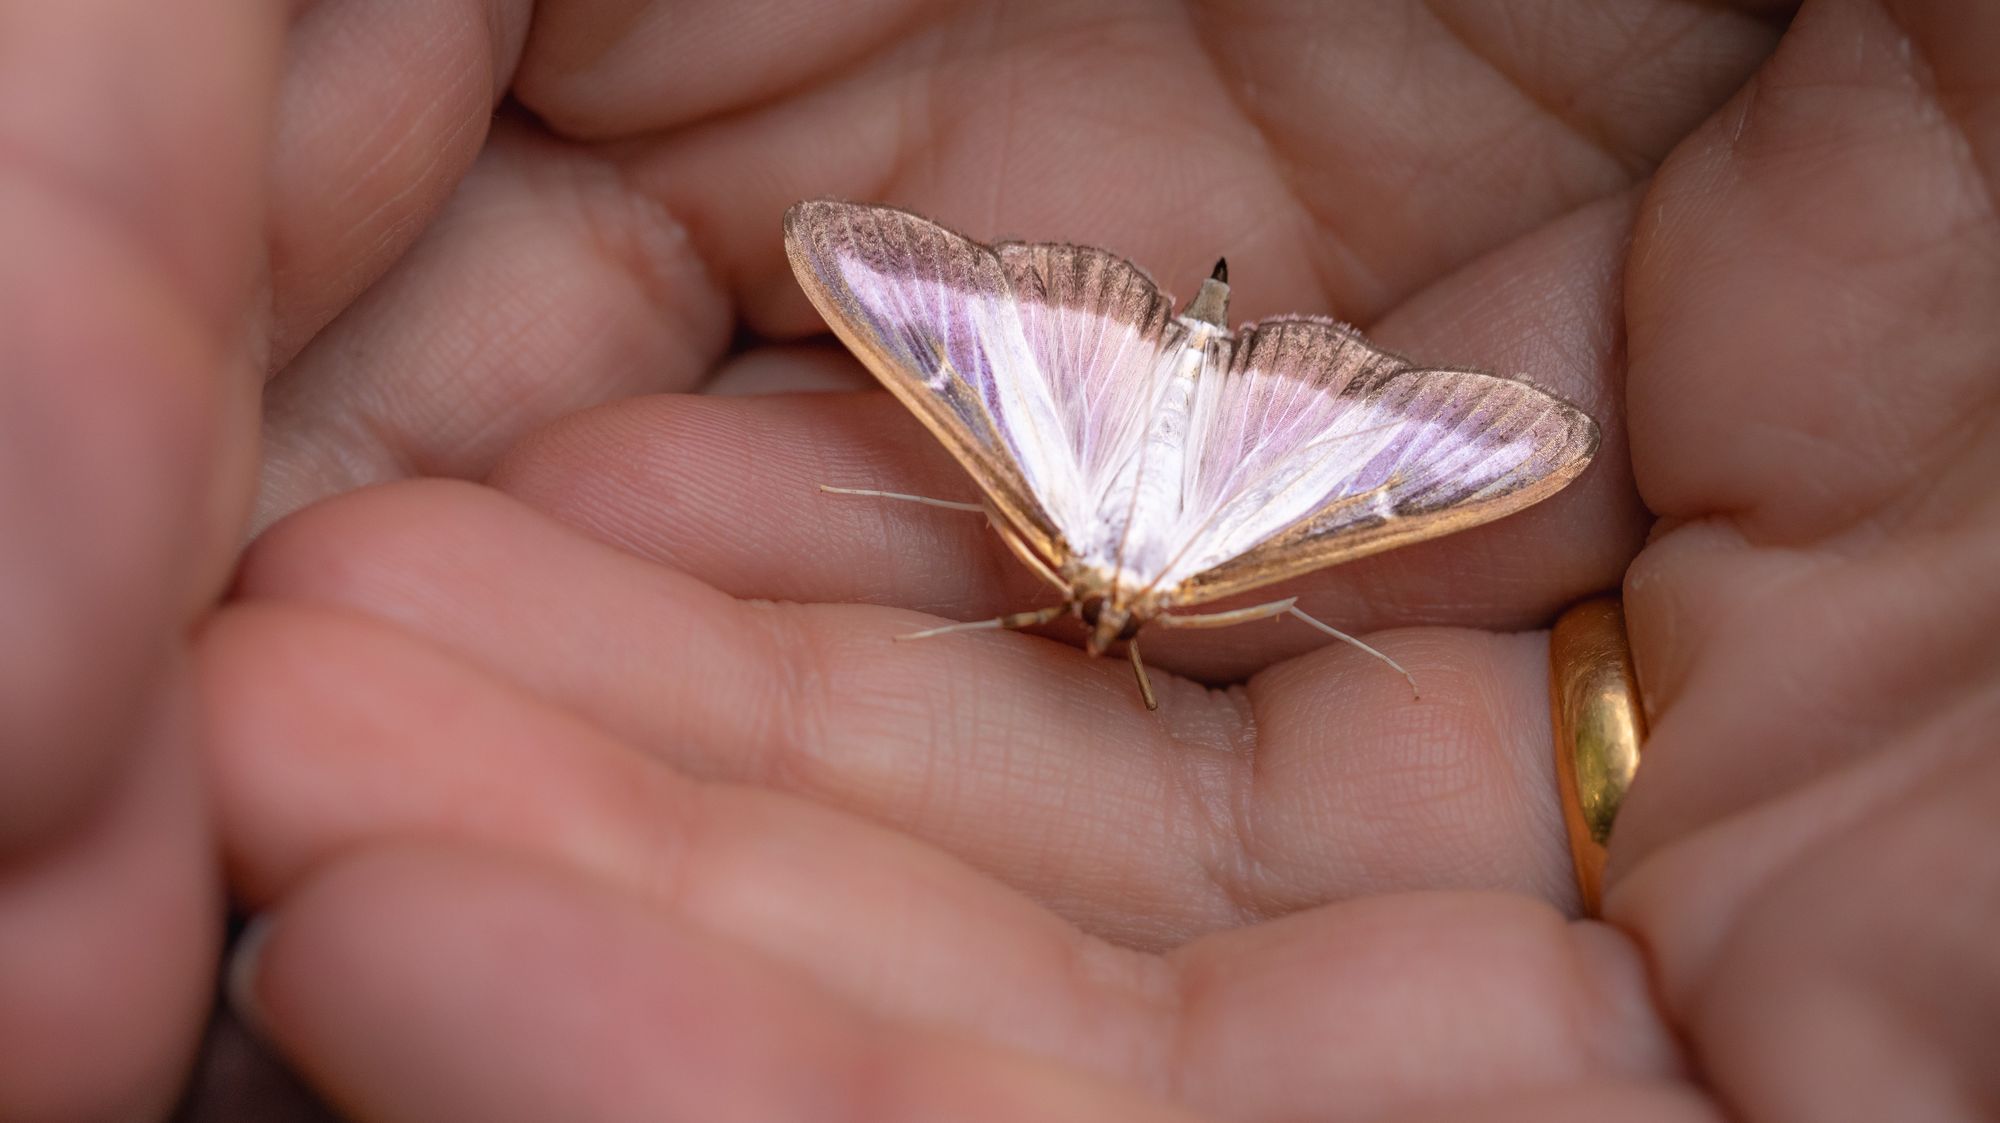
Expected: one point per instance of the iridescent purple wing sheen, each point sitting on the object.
(1318, 448)
(1030, 362)
(903, 294)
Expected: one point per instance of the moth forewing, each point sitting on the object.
(1146, 461)
(816, 235)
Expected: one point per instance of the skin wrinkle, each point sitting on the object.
(1209, 776)
(1240, 878)
(1927, 716)
(868, 57)
(326, 151)
(1254, 888)
(1927, 501)
(653, 276)
(1982, 643)
(646, 252)
(794, 734)
(1838, 804)
(670, 876)
(799, 743)
(401, 125)
(1713, 1000)
(1325, 229)
(1899, 513)
(726, 284)
(921, 22)
(1631, 165)
(381, 433)
(611, 23)
(1179, 1057)
(1750, 517)
(1149, 987)
(1619, 991)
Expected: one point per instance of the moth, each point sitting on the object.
(1146, 462)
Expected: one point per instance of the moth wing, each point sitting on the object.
(1023, 360)
(1319, 448)
(1097, 325)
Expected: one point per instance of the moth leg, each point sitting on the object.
(1336, 633)
(1012, 621)
(926, 500)
(1139, 668)
(1228, 619)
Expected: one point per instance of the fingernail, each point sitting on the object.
(241, 980)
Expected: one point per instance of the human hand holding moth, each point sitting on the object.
(591, 781)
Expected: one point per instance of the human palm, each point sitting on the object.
(598, 788)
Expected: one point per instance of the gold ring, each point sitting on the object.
(1599, 728)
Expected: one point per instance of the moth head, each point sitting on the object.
(1211, 304)
(1108, 621)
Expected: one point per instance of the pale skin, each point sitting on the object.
(599, 784)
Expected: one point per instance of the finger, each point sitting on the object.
(1815, 634)
(1321, 161)
(497, 976)
(303, 778)
(1831, 583)
(1365, 1010)
(1399, 1003)
(383, 106)
(122, 452)
(1337, 1008)
(546, 286)
(1803, 976)
(108, 939)
(131, 159)
(1025, 756)
(673, 479)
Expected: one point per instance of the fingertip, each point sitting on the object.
(109, 934)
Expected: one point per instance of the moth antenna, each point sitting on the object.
(1336, 633)
(947, 504)
(1011, 622)
(1139, 669)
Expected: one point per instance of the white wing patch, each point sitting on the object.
(978, 338)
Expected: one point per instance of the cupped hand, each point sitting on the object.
(601, 790)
